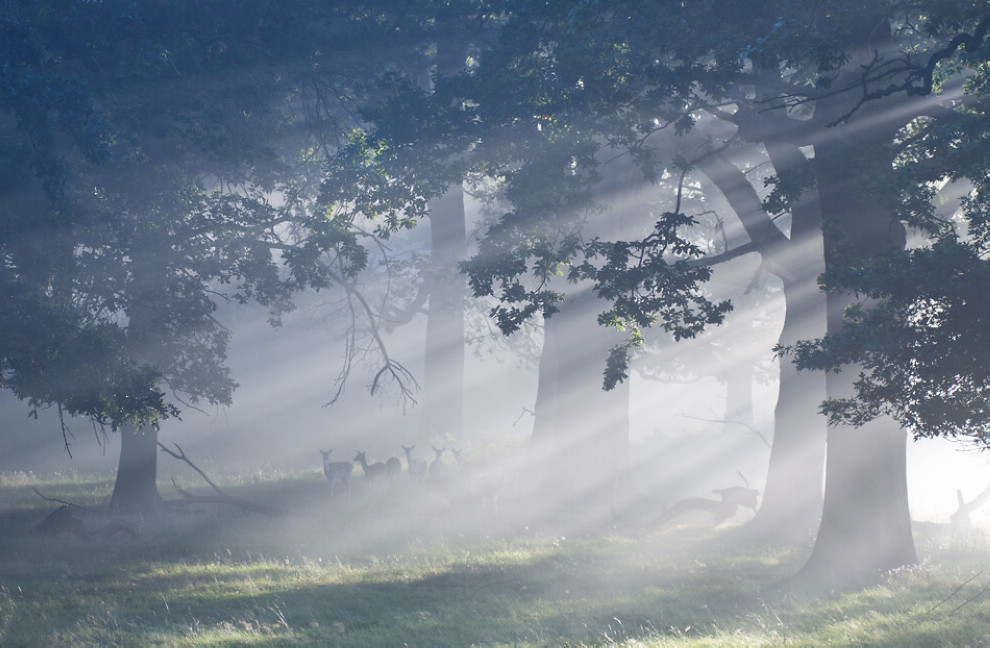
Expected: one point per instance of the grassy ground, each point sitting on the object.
(337, 573)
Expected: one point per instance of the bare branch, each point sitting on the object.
(728, 255)
(66, 432)
(181, 456)
(983, 590)
(55, 499)
(221, 498)
(919, 80)
(403, 377)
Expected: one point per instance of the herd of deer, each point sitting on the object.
(379, 476)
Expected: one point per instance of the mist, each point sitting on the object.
(464, 323)
(685, 440)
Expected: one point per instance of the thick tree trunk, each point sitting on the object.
(135, 489)
(866, 523)
(792, 498)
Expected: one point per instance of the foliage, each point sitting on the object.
(919, 333)
(159, 157)
(920, 340)
(569, 85)
(556, 92)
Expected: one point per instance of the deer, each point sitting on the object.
(337, 471)
(417, 465)
(436, 466)
(374, 473)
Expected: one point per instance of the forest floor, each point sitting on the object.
(425, 571)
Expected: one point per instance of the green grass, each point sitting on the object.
(337, 574)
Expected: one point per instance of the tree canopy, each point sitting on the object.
(570, 86)
(155, 157)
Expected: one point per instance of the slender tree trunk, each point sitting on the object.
(443, 371)
(581, 432)
(792, 498)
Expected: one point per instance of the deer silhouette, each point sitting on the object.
(337, 471)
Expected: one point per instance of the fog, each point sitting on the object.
(684, 439)
(700, 412)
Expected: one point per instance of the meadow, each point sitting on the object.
(410, 572)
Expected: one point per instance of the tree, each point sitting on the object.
(918, 325)
(792, 496)
(568, 79)
(149, 140)
(548, 210)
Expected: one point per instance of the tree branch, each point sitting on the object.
(403, 377)
(56, 500)
(221, 498)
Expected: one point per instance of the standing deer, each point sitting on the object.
(436, 466)
(417, 466)
(375, 473)
(337, 471)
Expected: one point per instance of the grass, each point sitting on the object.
(334, 573)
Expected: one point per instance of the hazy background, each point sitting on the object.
(682, 443)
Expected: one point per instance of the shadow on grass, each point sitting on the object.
(377, 572)
(561, 596)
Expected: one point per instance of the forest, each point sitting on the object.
(508, 322)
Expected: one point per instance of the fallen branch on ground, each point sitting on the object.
(221, 497)
(56, 500)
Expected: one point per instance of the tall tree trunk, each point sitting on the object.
(866, 522)
(581, 432)
(443, 371)
(792, 498)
